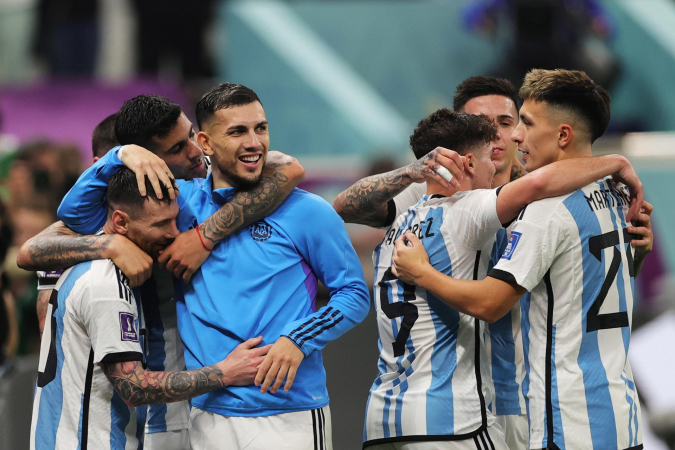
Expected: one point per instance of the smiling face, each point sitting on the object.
(537, 135)
(483, 166)
(502, 111)
(153, 228)
(180, 151)
(237, 140)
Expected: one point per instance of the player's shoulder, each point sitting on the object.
(101, 278)
(301, 201)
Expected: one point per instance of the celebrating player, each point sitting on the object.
(95, 331)
(270, 271)
(573, 254)
(160, 124)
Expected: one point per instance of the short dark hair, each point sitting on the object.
(123, 192)
(222, 96)
(103, 137)
(453, 130)
(573, 91)
(144, 117)
(479, 86)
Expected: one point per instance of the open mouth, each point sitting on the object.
(250, 160)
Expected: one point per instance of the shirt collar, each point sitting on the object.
(220, 196)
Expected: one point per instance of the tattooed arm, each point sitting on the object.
(138, 387)
(58, 247)
(365, 202)
(280, 176)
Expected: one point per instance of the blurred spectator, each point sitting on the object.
(9, 333)
(173, 31)
(17, 21)
(549, 34)
(68, 36)
(103, 138)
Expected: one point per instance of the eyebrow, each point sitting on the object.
(243, 128)
(505, 116)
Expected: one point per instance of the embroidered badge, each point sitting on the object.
(128, 328)
(260, 231)
(511, 246)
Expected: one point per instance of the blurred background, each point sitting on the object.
(343, 84)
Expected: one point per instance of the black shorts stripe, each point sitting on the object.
(322, 437)
(475, 441)
(487, 435)
(323, 419)
(314, 430)
(483, 441)
(479, 380)
(86, 398)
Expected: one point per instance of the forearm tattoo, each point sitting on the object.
(249, 206)
(139, 387)
(58, 247)
(365, 202)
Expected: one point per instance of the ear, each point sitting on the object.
(120, 222)
(96, 158)
(565, 135)
(204, 142)
(470, 164)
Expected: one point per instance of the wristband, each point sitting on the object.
(202, 240)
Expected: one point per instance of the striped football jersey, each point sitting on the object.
(434, 375)
(573, 254)
(92, 318)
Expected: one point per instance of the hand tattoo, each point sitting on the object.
(517, 172)
(249, 206)
(139, 387)
(58, 247)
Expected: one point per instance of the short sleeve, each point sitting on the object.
(400, 204)
(113, 327)
(474, 219)
(531, 249)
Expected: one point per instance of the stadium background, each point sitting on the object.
(343, 83)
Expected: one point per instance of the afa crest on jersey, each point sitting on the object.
(511, 246)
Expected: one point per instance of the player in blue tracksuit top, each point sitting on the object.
(261, 280)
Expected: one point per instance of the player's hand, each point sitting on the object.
(425, 168)
(410, 258)
(629, 177)
(643, 228)
(131, 260)
(241, 365)
(145, 163)
(281, 363)
(184, 256)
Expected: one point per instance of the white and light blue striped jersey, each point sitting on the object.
(92, 318)
(434, 375)
(573, 254)
(504, 340)
(164, 348)
(505, 346)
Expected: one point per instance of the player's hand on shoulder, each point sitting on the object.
(185, 255)
(281, 363)
(131, 260)
(241, 365)
(427, 166)
(644, 239)
(410, 258)
(145, 163)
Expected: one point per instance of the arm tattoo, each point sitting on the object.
(365, 202)
(58, 247)
(249, 206)
(139, 387)
(517, 172)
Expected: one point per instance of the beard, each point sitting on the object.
(234, 178)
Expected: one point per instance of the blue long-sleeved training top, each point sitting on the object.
(261, 280)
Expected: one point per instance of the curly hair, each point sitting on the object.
(453, 130)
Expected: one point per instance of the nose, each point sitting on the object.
(252, 140)
(517, 135)
(195, 150)
(172, 232)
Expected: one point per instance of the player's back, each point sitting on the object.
(573, 253)
(75, 406)
(434, 372)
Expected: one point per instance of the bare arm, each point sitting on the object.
(365, 201)
(43, 297)
(564, 177)
(488, 299)
(644, 239)
(138, 387)
(58, 247)
(280, 176)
